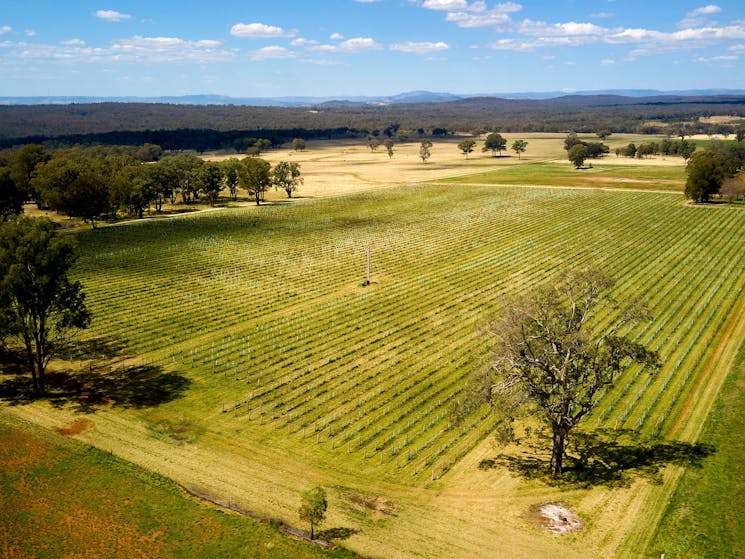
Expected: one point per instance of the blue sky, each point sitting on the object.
(337, 48)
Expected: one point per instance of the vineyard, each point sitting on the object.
(264, 312)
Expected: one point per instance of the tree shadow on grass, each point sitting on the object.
(99, 384)
(337, 534)
(611, 458)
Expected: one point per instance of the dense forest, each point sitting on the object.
(176, 127)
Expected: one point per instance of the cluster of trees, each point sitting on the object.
(717, 170)
(579, 150)
(683, 148)
(94, 182)
(494, 143)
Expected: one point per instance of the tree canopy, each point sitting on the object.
(40, 308)
(313, 508)
(495, 143)
(550, 352)
(254, 177)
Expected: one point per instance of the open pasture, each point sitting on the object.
(291, 374)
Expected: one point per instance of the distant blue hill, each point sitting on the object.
(408, 97)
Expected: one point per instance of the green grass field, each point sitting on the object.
(65, 499)
(236, 352)
(604, 174)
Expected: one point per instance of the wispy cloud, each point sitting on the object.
(5, 29)
(272, 52)
(357, 44)
(722, 58)
(259, 31)
(134, 49)
(112, 15)
(420, 48)
(602, 15)
(699, 16)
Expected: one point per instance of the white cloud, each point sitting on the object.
(607, 62)
(112, 15)
(259, 30)
(336, 36)
(705, 11)
(358, 44)
(723, 58)
(445, 4)
(478, 15)
(272, 52)
(602, 15)
(5, 29)
(30, 33)
(78, 42)
(420, 48)
(300, 42)
(737, 48)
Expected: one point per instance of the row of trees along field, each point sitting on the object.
(93, 182)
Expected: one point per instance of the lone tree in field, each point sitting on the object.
(519, 147)
(313, 508)
(40, 308)
(286, 175)
(389, 147)
(550, 352)
(424, 152)
(466, 146)
(298, 144)
(254, 177)
(373, 143)
(577, 155)
(495, 143)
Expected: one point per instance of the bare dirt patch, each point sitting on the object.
(558, 519)
(376, 504)
(76, 427)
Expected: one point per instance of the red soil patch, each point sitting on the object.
(76, 427)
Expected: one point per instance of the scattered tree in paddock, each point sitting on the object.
(424, 150)
(373, 143)
(577, 155)
(298, 144)
(550, 353)
(706, 171)
(389, 147)
(467, 146)
(40, 308)
(495, 143)
(313, 508)
(519, 147)
(403, 136)
(733, 188)
(286, 175)
(603, 134)
(254, 177)
(230, 169)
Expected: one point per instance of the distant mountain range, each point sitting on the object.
(409, 97)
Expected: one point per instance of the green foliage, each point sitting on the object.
(40, 307)
(389, 147)
(706, 171)
(313, 508)
(286, 175)
(254, 176)
(467, 146)
(298, 144)
(11, 196)
(519, 147)
(495, 143)
(230, 168)
(577, 155)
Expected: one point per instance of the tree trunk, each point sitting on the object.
(557, 451)
(312, 534)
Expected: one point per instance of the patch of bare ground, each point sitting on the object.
(376, 504)
(76, 427)
(558, 519)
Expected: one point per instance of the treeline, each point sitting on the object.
(718, 170)
(220, 126)
(96, 182)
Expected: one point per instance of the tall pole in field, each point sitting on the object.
(367, 252)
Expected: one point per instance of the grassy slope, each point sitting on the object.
(64, 499)
(706, 515)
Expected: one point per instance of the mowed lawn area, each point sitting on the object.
(237, 353)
